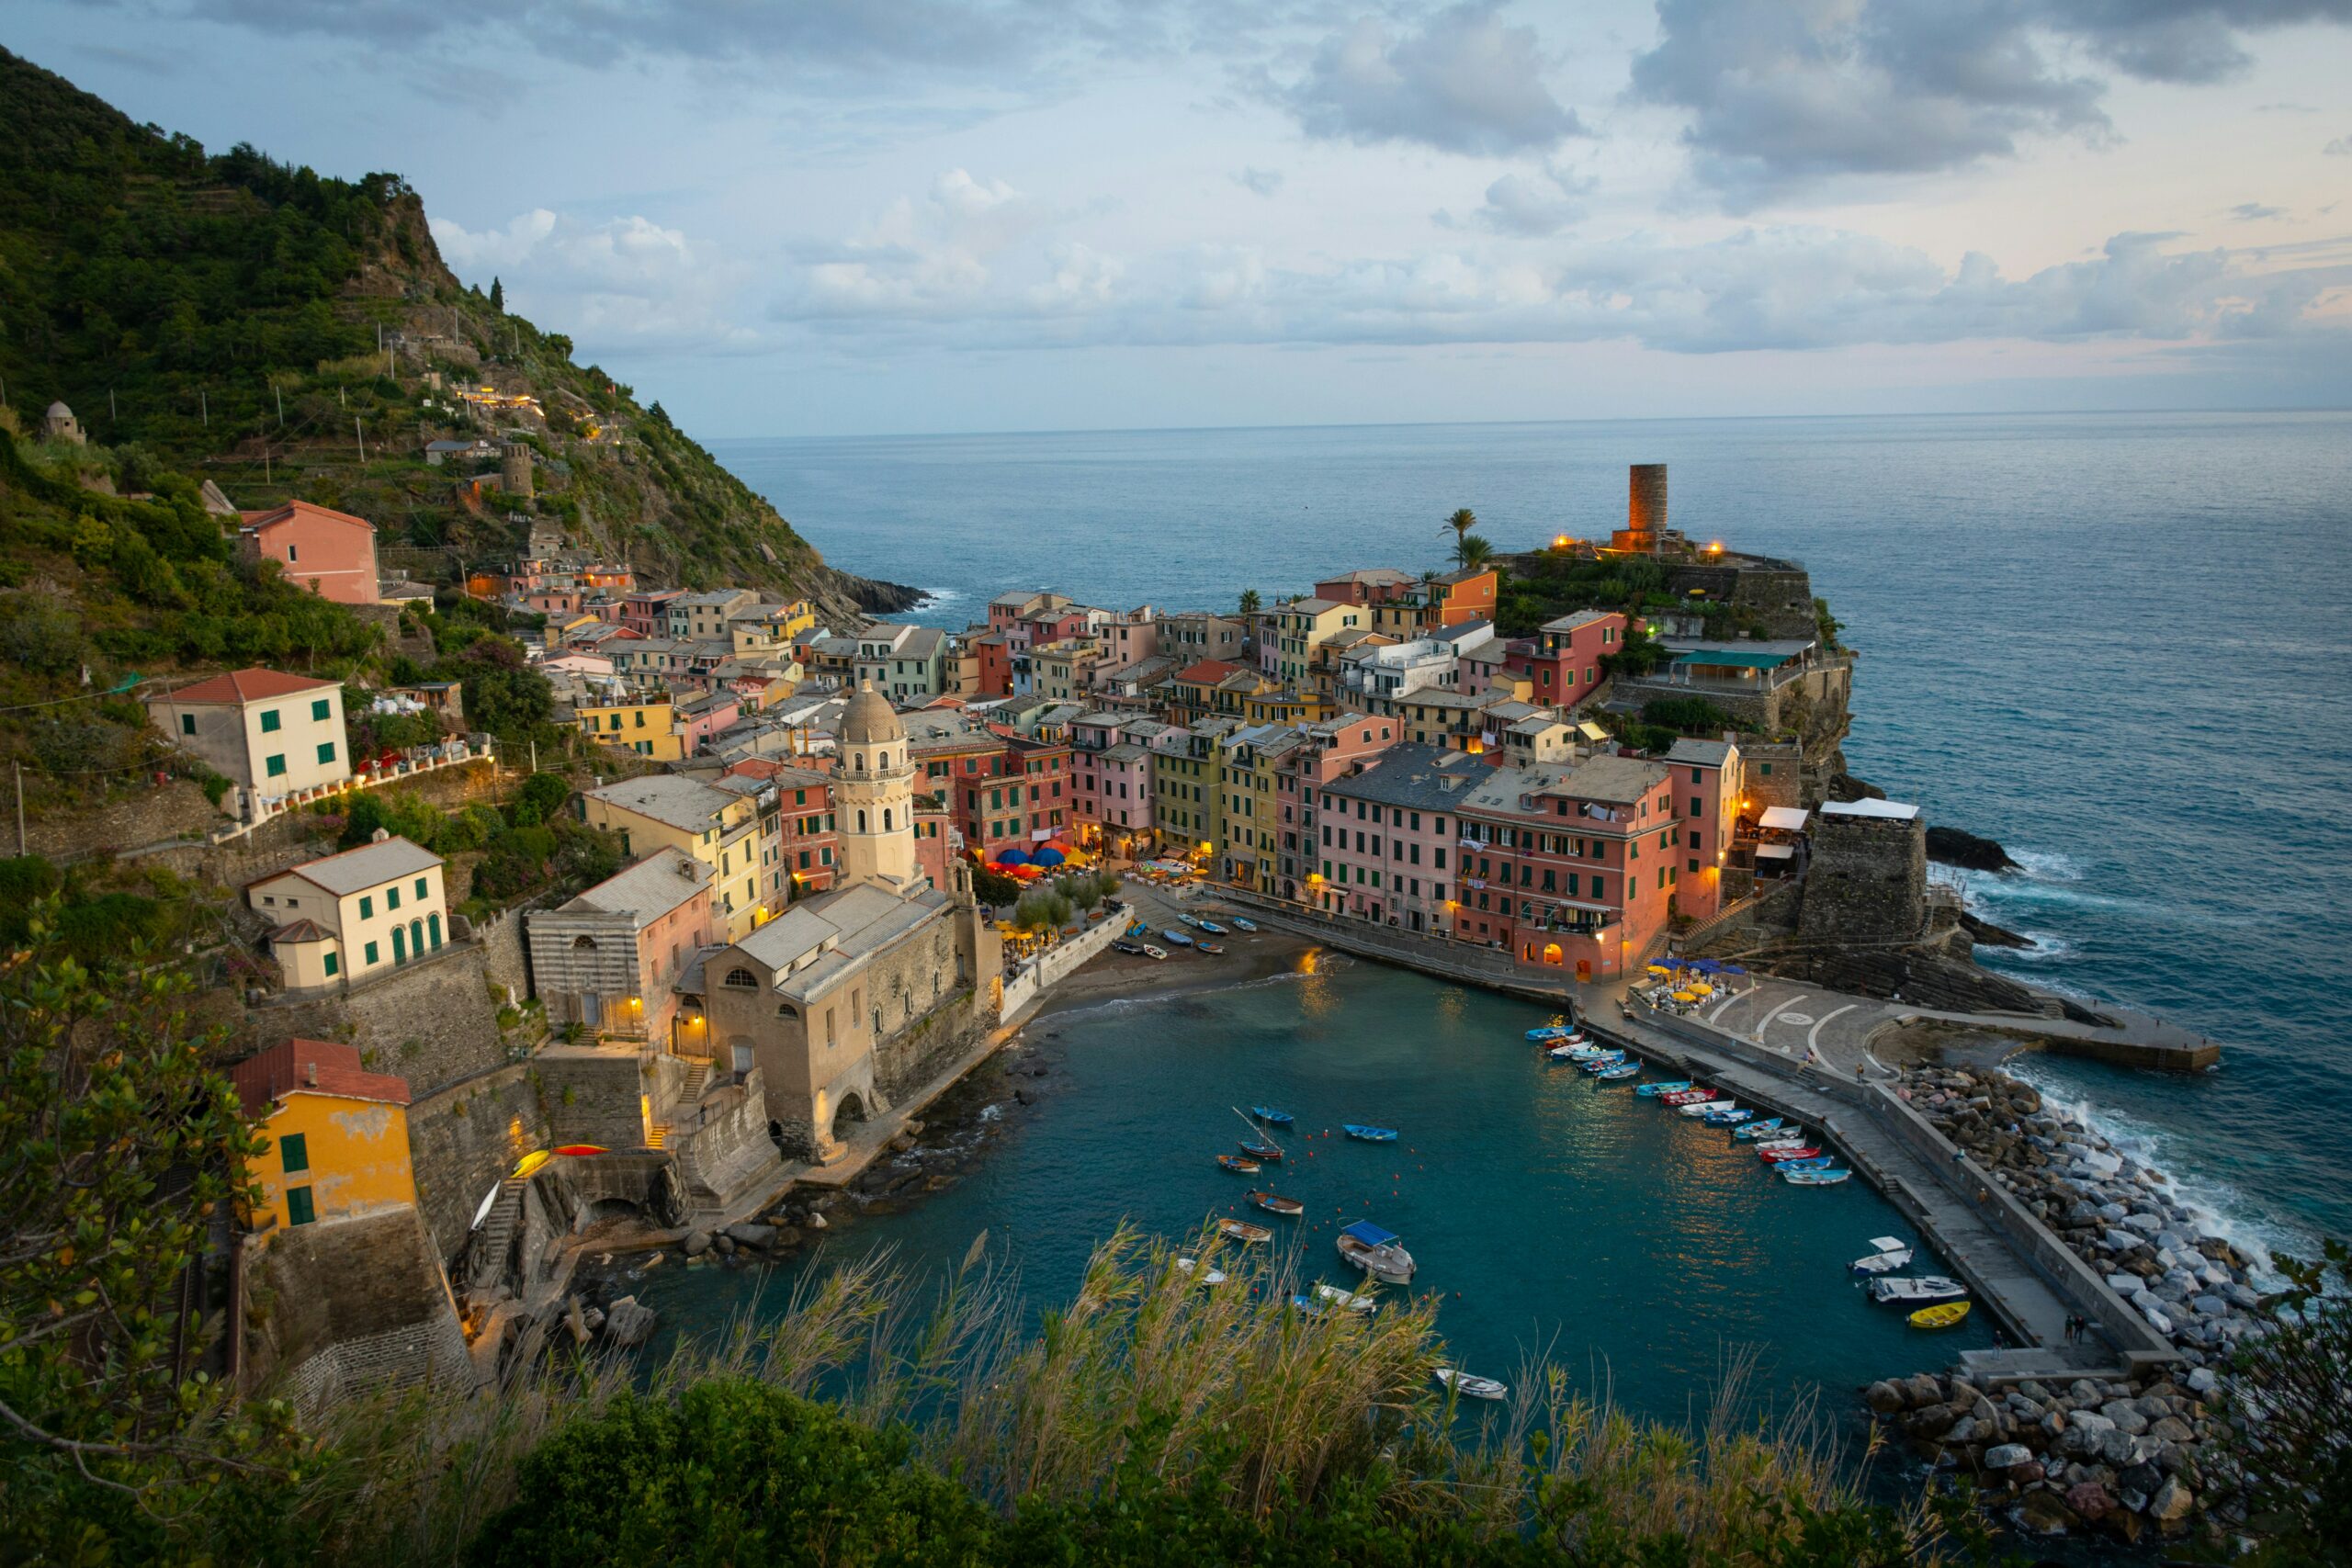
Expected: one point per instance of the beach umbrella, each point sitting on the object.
(1048, 856)
(1684, 997)
(1013, 857)
(1704, 989)
(1026, 872)
(1660, 969)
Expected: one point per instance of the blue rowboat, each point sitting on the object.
(1652, 1090)
(1546, 1033)
(1176, 939)
(1820, 1162)
(1603, 1063)
(1757, 1129)
(1211, 928)
(1271, 1117)
(1242, 925)
(1732, 1117)
(1620, 1073)
(1364, 1134)
(1824, 1178)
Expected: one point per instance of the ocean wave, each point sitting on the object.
(2213, 1201)
(2047, 948)
(933, 598)
(2047, 866)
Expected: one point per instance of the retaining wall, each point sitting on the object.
(464, 1140)
(1041, 975)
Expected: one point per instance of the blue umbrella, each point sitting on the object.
(1046, 856)
(1013, 857)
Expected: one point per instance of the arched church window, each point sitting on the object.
(861, 821)
(886, 818)
(743, 980)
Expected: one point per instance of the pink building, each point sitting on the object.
(330, 553)
(1372, 585)
(698, 720)
(1111, 782)
(1706, 779)
(647, 613)
(610, 959)
(1387, 838)
(1329, 749)
(1570, 866)
(1562, 661)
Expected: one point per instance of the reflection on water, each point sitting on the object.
(1549, 1211)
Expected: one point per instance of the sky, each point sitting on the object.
(849, 217)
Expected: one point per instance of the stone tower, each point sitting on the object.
(874, 791)
(515, 469)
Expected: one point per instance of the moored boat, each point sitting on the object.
(1363, 1132)
(1241, 924)
(1887, 1254)
(1653, 1090)
(1242, 1230)
(1728, 1118)
(1816, 1162)
(1274, 1203)
(1149, 950)
(1347, 1299)
(1621, 1072)
(1780, 1152)
(1271, 1117)
(1211, 928)
(1687, 1096)
(1781, 1139)
(1239, 1166)
(1176, 939)
(1271, 1154)
(1752, 1131)
(1603, 1063)
(1377, 1252)
(1943, 1316)
(1916, 1289)
(1698, 1107)
(1188, 919)
(1822, 1178)
(1214, 949)
(1189, 1266)
(1470, 1386)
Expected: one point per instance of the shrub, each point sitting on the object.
(1688, 715)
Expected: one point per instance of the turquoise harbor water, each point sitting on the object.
(1553, 1213)
(2121, 644)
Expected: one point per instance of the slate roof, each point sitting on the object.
(310, 1066)
(650, 889)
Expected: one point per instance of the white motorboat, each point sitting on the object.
(1377, 1252)
(1698, 1108)
(1923, 1290)
(1213, 1277)
(1469, 1386)
(1347, 1299)
(1887, 1254)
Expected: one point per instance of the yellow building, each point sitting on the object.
(351, 916)
(647, 728)
(1184, 791)
(1301, 624)
(1286, 707)
(338, 1135)
(719, 827)
(1248, 803)
(765, 627)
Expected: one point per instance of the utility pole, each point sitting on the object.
(276, 391)
(360, 430)
(204, 405)
(21, 810)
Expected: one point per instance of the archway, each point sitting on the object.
(1551, 952)
(850, 1113)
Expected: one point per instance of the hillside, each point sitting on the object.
(284, 333)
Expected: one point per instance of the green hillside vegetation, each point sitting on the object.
(227, 317)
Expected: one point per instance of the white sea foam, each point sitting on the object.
(2214, 1202)
(991, 1112)
(2047, 866)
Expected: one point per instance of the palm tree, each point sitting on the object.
(1462, 522)
(1471, 552)
(1249, 601)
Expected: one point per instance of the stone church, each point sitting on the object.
(852, 999)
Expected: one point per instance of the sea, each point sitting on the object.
(2122, 645)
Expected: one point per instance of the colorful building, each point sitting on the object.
(1299, 626)
(647, 727)
(330, 553)
(338, 1135)
(1562, 663)
(1570, 867)
(610, 960)
(348, 917)
(265, 731)
(719, 827)
(1387, 838)
(1705, 778)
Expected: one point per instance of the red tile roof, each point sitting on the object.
(304, 511)
(1208, 673)
(310, 1066)
(251, 685)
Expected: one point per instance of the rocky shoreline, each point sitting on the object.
(2118, 1457)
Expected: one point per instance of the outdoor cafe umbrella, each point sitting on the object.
(1013, 857)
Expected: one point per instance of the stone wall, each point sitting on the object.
(434, 1021)
(1867, 881)
(592, 1095)
(1772, 914)
(464, 1140)
(346, 1305)
(144, 813)
(1784, 785)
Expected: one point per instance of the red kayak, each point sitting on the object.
(1774, 1156)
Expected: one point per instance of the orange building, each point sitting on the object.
(330, 553)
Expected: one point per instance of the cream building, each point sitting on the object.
(848, 1000)
(265, 731)
(351, 916)
(719, 827)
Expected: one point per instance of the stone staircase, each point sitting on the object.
(698, 1075)
(495, 1245)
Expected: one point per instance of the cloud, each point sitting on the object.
(1263, 182)
(917, 278)
(2339, 148)
(2254, 211)
(1784, 93)
(623, 281)
(1465, 83)
(1532, 206)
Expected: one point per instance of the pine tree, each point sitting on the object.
(497, 294)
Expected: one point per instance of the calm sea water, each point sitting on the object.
(2122, 645)
(1551, 1213)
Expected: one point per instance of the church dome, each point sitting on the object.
(869, 718)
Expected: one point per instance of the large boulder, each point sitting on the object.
(627, 1323)
(751, 1233)
(2172, 1503)
(1884, 1397)
(697, 1243)
(2045, 1513)
(2007, 1456)
(2090, 1500)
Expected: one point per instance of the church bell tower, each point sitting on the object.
(873, 796)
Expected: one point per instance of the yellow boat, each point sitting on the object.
(1942, 1316)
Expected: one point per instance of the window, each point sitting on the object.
(294, 1153)
(187, 724)
(318, 710)
(326, 751)
(743, 980)
(335, 965)
(370, 955)
(276, 766)
(420, 889)
(298, 1209)
(367, 906)
(269, 721)
(391, 899)
(1767, 770)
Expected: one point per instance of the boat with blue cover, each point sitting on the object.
(1652, 1090)
(1752, 1131)
(1817, 1162)
(1730, 1118)
(1368, 1135)
(1377, 1252)
(1241, 924)
(1176, 939)
(1620, 1073)
(1211, 928)
(1823, 1177)
(1271, 1117)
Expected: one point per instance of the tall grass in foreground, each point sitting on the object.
(1147, 1378)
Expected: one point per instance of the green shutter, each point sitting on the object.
(299, 1211)
(294, 1153)
(269, 721)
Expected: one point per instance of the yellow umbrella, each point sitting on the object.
(1703, 988)
(1684, 997)
(1660, 969)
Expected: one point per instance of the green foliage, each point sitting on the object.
(2288, 1402)
(121, 1142)
(1688, 715)
(994, 888)
(1559, 583)
(1638, 654)
(542, 796)
(731, 1474)
(1472, 552)
(1042, 908)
